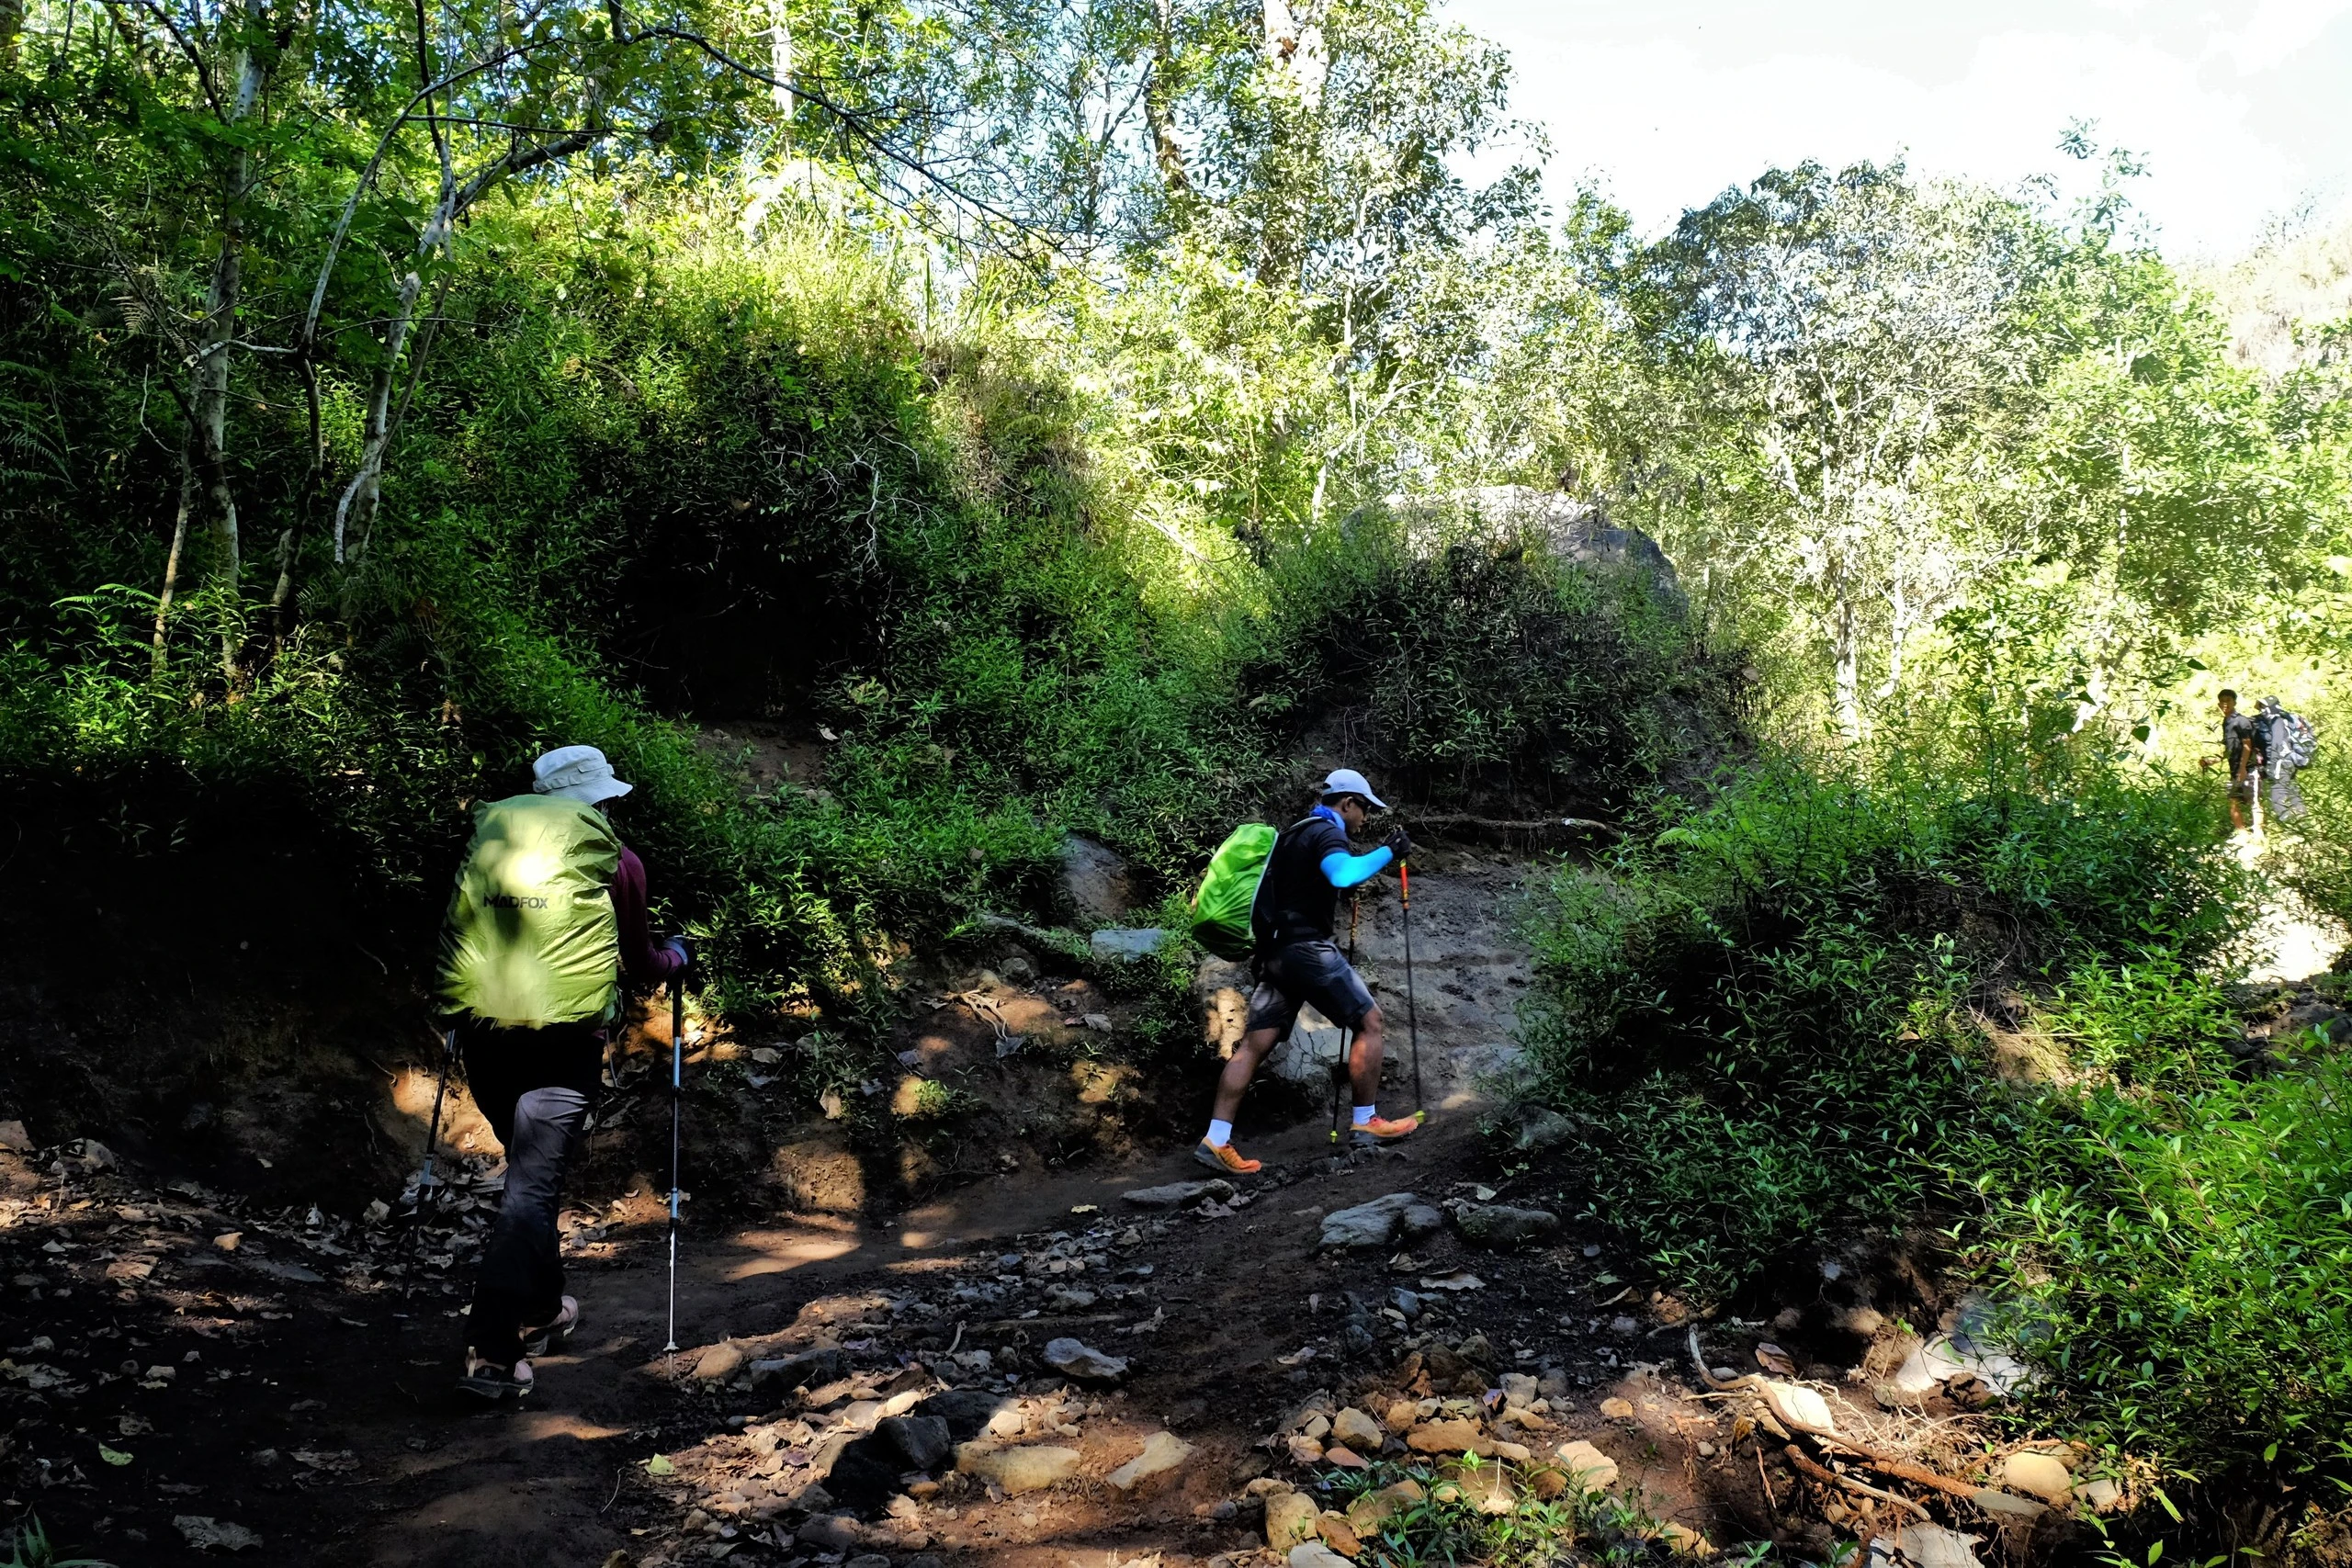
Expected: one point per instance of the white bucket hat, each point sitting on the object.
(577, 772)
(1347, 781)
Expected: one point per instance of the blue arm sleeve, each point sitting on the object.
(1343, 871)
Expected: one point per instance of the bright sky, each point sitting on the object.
(2243, 109)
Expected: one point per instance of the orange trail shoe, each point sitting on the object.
(1221, 1157)
(1377, 1132)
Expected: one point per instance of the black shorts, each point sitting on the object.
(1303, 972)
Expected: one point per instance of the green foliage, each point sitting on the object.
(1471, 662)
(1759, 1012)
(29, 1547)
(2177, 1249)
(1448, 1525)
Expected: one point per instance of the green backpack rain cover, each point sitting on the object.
(531, 938)
(1221, 908)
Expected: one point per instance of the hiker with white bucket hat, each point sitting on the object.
(546, 922)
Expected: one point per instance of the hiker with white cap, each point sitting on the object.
(547, 917)
(1296, 961)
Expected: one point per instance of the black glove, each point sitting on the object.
(686, 957)
(1397, 844)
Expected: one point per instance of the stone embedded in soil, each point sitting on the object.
(810, 1367)
(1373, 1510)
(1176, 1194)
(1290, 1519)
(1403, 1414)
(922, 1441)
(1314, 1555)
(1542, 1128)
(1337, 1533)
(829, 1532)
(1615, 1409)
(204, 1533)
(1346, 1458)
(1452, 1436)
(1356, 1430)
(967, 1411)
(1501, 1225)
(1073, 1358)
(1586, 1468)
(1418, 1223)
(1927, 1546)
(1028, 1468)
(720, 1362)
(1367, 1226)
(1162, 1451)
(1518, 1391)
(1684, 1542)
(1799, 1406)
(2039, 1474)
(1127, 944)
(1305, 1449)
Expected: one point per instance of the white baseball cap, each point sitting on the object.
(577, 772)
(1347, 781)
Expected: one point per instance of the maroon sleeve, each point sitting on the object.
(644, 963)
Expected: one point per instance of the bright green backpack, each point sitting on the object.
(531, 937)
(1221, 908)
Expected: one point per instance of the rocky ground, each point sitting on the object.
(1072, 1361)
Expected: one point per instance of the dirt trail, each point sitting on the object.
(296, 1386)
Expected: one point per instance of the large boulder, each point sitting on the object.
(1097, 881)
(1569, 528)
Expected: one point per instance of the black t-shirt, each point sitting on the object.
(1296, 902)
(2244, 743)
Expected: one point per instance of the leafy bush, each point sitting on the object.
(1761, 1011)
(1770, 1019)
(1471, 661)
(2183, 1255)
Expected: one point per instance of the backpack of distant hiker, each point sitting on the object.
(1221, 906)
(531, 937)
(2294, 739)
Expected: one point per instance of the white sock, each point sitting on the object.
(1364, 1114)
(1220, 1135)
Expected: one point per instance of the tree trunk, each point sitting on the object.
(1847, 643)
(179, 544)
(208, 373)
(12, 27)
(780, 60)
(1158, 98)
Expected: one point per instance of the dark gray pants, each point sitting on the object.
(534, 1086)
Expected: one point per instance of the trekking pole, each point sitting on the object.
(426, 1180)
(677, 1093)
(1412, 1015)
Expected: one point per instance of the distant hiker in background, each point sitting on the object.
(2289, 742)
(1296, 961)
(2243, 743)
(548, 915)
